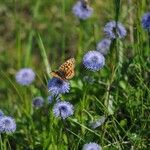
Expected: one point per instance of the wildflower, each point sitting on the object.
(82, 10)
(115, 30)
(92, 146)
(146, 21)
(98, 122)
(58, 86)
(93, 60)
(25, 76)
(63, 109)
(38, 102)
(1, 113)
(103, 46)
(7, 124)
(51, 98)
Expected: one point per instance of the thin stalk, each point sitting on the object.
(117, 9)
(29, 47)
(94, 35)
(81, 125)
(63, 46)
(1, 142)
(149, 40)
(66, 132)
(18, 45)
(44, 55)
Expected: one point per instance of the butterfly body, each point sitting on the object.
(66, 70)
(84, 3)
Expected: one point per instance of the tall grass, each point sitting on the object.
(42, 34)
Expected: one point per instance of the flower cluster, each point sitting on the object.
(58, 86)
(7, 124)
(94, 60)
(112, 31)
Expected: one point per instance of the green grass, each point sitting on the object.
(41, 35)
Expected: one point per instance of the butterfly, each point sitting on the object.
(84, 3)
(66, 70)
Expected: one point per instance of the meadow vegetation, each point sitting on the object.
(106, 105)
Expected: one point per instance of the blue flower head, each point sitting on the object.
(82, 11)
(7, 124)
(63, 109)
(92, 146)
(38, 102)
(146, 21)
(1, 113)
(58, 86)
(103, 46)
(114, 30)
(25, 76)
(93, 60)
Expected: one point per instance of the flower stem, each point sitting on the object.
(66, 132)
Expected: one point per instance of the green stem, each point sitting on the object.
(94, 35)
(148, 39)
(117, 9)
(66, 132)
(1, 142)
(29, 47)
(63, 46)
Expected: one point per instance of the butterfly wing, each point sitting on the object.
(66, 70)
(58, 74)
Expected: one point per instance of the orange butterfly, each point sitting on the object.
(66, 70)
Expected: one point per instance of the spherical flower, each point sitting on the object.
(25, 76)
(82, 11)
(38, 102)
(93, 60)
(58, 86)
(7, 124)
(92, 146)
(115, 30)
(63, 109)
(103, 46)
(1, 113)
(146, 21)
